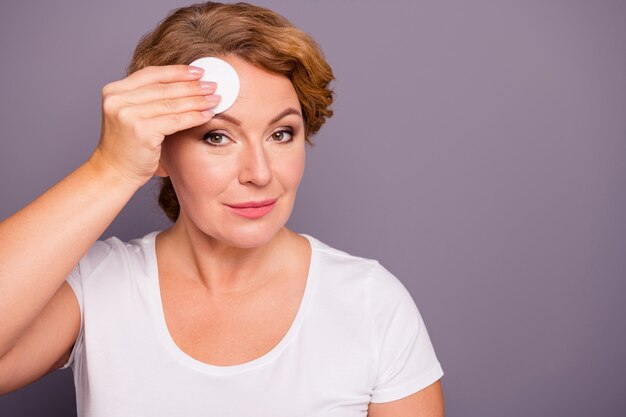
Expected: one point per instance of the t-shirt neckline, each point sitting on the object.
(172, 348)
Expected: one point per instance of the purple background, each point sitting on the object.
(477, 151)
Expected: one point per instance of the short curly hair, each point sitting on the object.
(255, 34)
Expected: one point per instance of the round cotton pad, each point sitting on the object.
(221, 72)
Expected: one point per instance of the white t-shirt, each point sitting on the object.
(357, 338)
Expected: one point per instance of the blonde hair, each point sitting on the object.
(255, 34)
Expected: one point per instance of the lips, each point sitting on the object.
(253, 203)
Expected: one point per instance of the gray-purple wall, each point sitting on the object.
(477, 151)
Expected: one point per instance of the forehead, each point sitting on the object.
(259, 86)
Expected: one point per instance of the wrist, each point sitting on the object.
(102, 168)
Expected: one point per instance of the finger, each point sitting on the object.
(153, 92)
(173, 106)
(154, 74)
(172, 123)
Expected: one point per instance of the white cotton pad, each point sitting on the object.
(221, 72)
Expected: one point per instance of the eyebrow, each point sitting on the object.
(237, 122)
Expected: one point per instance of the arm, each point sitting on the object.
(41, 243)
(46, 345)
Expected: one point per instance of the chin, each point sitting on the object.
(249, 240)
(251, 236)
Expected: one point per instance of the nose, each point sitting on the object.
(255, 165)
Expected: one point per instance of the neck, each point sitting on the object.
(222, 268)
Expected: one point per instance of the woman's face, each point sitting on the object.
(243, 154)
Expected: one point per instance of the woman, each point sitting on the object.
(222, 313)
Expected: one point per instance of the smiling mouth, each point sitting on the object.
(253, 212)
(253, 204)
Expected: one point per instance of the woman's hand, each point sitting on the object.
(141, 109)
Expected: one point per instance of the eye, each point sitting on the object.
(218, 139)
(214, 138)
(280, 134)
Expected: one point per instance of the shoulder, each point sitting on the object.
(364, 278)
(337, 266)
(366, 290)
(113, 251)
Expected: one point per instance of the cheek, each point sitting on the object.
(196, 174)
(291, 169)
(206, 176)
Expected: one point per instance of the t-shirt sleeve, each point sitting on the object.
(85, 267)
(407, 359)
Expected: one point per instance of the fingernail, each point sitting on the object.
(213, 98)
(207, 113)
(208, 85)
(195, 70)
